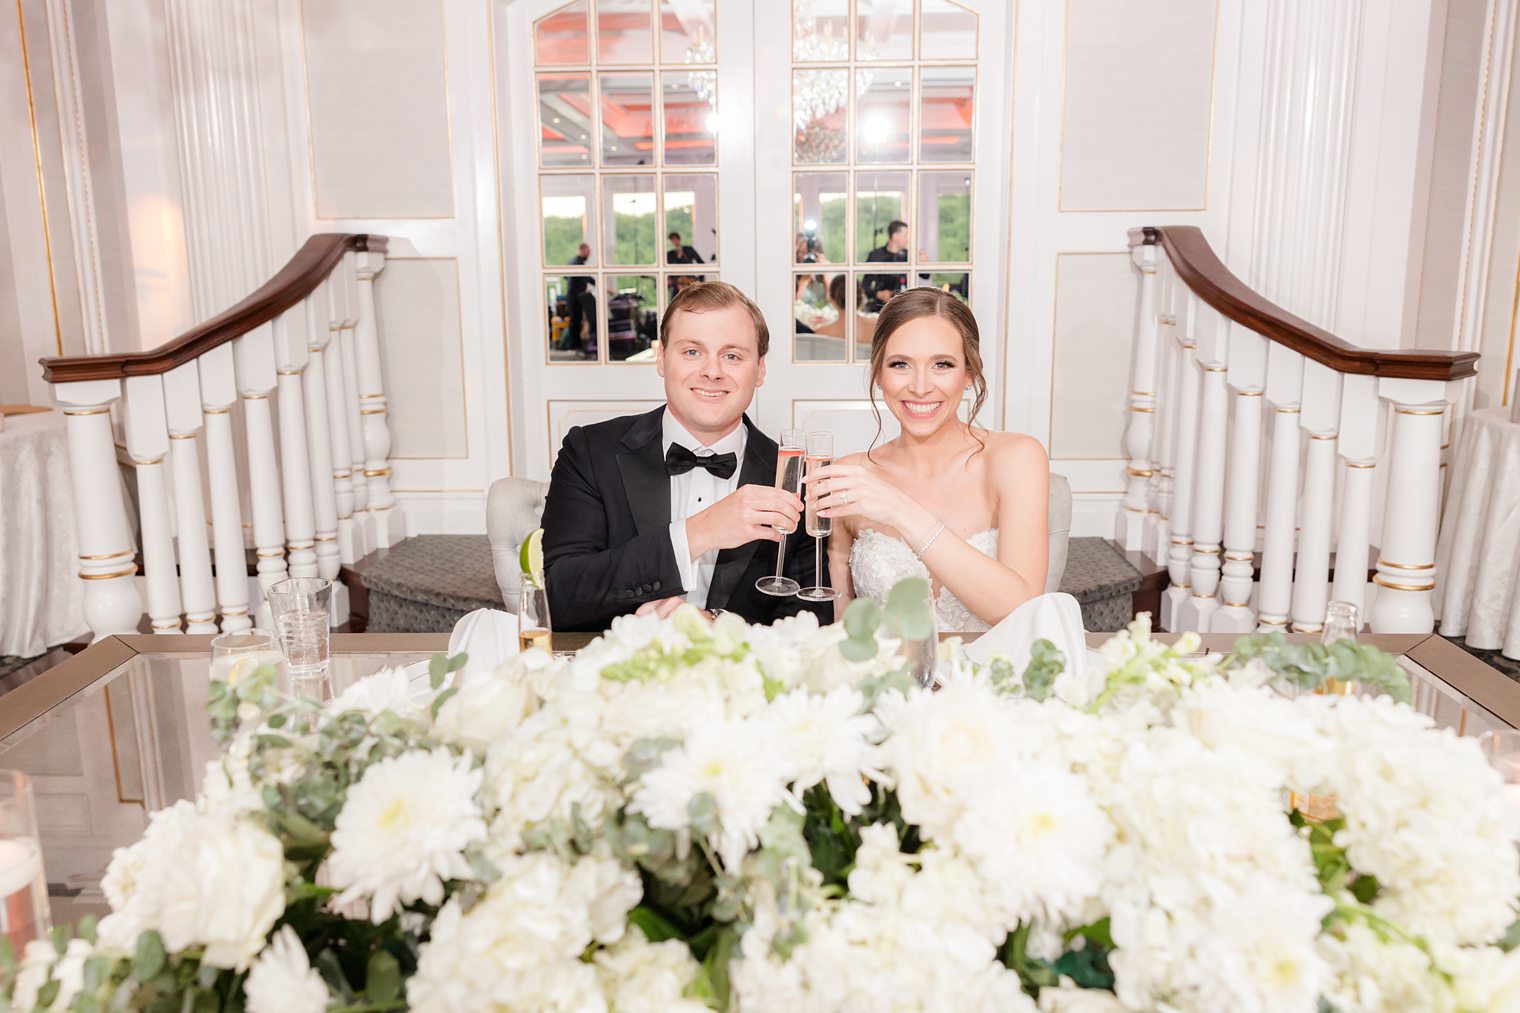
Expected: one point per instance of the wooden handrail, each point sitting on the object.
(1201, 270)
(294, 282)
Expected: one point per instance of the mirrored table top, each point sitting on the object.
(120, 730)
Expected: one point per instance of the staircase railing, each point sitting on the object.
(1206, 487)
(299, 361)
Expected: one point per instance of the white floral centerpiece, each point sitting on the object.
(688, 816)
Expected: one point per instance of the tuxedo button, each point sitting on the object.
(656, 585)
(628, 593)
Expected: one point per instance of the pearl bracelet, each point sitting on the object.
(928, 540)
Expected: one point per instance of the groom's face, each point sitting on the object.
(711, 365)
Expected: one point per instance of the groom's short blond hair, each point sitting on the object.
(714, 295)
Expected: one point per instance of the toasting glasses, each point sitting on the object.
(820, 451)
(788, 477)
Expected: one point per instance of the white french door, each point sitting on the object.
(743, 125)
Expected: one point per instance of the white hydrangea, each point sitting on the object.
(403, 830)
(520, 946)
(638, 976)
(282, 979)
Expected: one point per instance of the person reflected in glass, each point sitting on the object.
(881, 287)
(680, 253)
(582, 298)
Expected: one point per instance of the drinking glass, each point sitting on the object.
(789, 477)
(24, 914)
(235, 655)
(533, 627)
(300, 594)
(1341, 623)
(820, 453)
(1502, 748)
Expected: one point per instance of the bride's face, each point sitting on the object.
(923, 374)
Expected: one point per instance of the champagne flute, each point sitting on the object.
(789, 477)
(820, 453)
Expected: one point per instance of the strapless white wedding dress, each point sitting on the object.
(878, 561)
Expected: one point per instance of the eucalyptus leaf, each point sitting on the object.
(858, 650)
(382, 977)
(149, 959)
(862, 617)
(909, 611)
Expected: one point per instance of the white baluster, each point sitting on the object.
(1360, 412)
(345, 290)
(387, 525)
(182, 405)
(1168, 387)
(1185, 467)
(1406, 569)
(324, 498)
(1320, 418)
(1138, 434)
(1206, 518)
(254, 356)
(218, 393)
(147, 432)
(350, 537)
(111, 602)
(1247, 375)
(1284, 388)
(289, 330)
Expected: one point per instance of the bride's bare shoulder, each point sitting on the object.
(1016, 453)
(853, 459)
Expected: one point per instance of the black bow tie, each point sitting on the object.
(679, 460)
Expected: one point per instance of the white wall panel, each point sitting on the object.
(417, 304)
(1094, 327)
(1138, 93)
(378, 107)
(564, 416)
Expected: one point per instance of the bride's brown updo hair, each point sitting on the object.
(929, 302)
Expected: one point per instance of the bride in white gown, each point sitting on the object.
(956, 503)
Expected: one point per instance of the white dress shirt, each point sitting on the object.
(694, 492)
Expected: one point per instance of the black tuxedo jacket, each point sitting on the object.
(607, 531)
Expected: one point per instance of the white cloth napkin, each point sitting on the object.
(1055, 617)
(488, 636)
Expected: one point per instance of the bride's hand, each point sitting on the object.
(850, 490)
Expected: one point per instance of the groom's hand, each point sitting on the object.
(749, 513)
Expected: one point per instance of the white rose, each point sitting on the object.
(943, 748)
(484, 711)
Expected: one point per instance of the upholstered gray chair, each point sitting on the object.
(514, 507)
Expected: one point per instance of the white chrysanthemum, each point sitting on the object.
(1071, 999)
(1371, 975)
(282, 979)
(826, 739)
(209, 880)
(642, 977)
(519, 947)
(732, 762)
(404, 828)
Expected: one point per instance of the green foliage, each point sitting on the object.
(1046, 662)
(1084, 959)
(1310, 666)
(861, 619)
(954, 211)
(909, 612)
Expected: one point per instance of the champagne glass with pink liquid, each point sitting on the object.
(789, 455)
(820, 453)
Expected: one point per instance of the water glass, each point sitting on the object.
(533, 626)
(304, 638)
(24, 914)
(235, 655)
(300, 594)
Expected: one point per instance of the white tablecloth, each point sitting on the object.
(41, 597)
(1478, 554)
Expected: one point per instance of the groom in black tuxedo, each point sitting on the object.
(647, 512)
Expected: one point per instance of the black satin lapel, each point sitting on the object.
(646, 485)
(759, 468)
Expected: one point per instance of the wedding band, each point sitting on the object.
(844, 497)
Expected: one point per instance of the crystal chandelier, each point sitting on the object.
(703, 82)
(819, 93)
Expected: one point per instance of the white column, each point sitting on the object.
(350, 537)
(1320, 419)
(254, 357)
(1358, 446)
(1285, 369)
(387, 525)
(111, 602)
(147, 432)
(218, 394)
(1180, 542)
(291, 357)
(1207, 515)
(1129, 525)
(344, 287)
(324, 497)
(1406, 568)
(1164, 479)
(1237, 575)
(182, 405)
